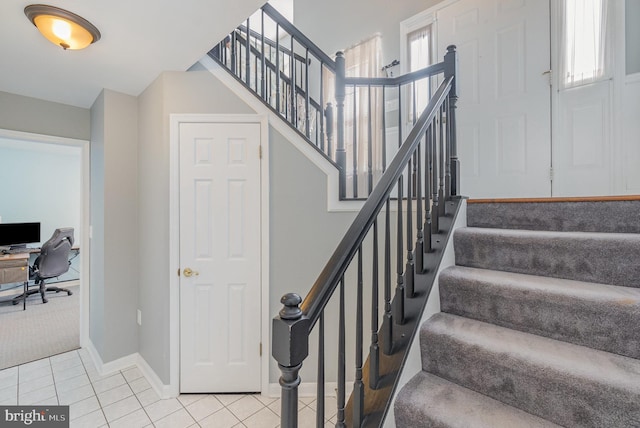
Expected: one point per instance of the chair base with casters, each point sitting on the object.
(42, 289)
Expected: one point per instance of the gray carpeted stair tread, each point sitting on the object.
(428, 401)
(600, 216)
(568, 384)
(581, 256)
(579, 312)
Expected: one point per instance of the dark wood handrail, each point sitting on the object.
(429, 71)
(296, 34)
(300, 91)
(269, 42)
(324, 287)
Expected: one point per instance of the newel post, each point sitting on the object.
(290, 346)
(451, 69)
(341, 153)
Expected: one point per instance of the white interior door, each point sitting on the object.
(503, 118)
(220, 257)
(583, 149)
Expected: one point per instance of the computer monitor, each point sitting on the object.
(19, 234)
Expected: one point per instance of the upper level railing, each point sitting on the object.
(422, 176)
(259, 53)
(356, 123)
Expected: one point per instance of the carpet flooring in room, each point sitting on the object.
(42, 330)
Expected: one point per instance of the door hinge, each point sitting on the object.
(551, 174)
(549, 76)
(260, 152)
(261, 349)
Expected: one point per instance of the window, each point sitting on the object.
(419, 47)
(583, 41)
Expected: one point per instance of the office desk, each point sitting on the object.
(15, 268)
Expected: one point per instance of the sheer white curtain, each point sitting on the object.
(419, 47)
(361, 60)
(583, 42)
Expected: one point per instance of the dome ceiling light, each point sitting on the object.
(61, 27)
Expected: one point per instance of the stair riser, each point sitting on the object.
(573, 319)
(560, 397)
(606, 216)
(583, 259)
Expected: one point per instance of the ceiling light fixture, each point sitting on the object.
(62, 27)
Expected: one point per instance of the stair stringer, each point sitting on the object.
(334, 203)
(413, 362)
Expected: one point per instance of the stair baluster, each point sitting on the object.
(374, 349)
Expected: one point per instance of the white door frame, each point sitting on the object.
(174, 238)
(85, 174)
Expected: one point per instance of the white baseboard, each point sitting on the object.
(163, 391)
(112, 366)
(135, 359)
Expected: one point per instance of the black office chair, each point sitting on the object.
(52, 262)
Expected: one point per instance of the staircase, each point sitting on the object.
(539, 321)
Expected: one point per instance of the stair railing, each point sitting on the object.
(288, 72)
(421, 177)
(280, 65)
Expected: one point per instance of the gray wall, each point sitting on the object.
(337, 24)
(302, 233)
(26, 114)
(171, 92)
(114, 219)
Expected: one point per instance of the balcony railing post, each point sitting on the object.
(451, 69)
(328, 128)
(341, 153)
(290, 346)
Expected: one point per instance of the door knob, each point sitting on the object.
(188, 272)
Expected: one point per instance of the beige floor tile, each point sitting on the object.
(227, 399)
(179, 419)
(108, 383)
(264, 418)
(83, 407)
(148, 397)
(116, 394)
(245, 407)
(220, 419)
(121, 408)
(187, 399)
(37, 395)
(162, 408)
(204, 407)
(136, 419)
(91, 420)
(132, 374)
(139, 385)
(32, 385)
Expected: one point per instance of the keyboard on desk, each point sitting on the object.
(17, 250)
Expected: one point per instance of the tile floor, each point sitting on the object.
(126, 399)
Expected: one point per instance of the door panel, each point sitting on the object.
(504, 105)
(582, 162)
(220, 243)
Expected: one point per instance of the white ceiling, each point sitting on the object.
(140, 39)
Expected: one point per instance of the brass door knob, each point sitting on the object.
(188, 272)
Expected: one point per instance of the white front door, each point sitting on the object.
(503, 118)
(584, 153)
(220, 288)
